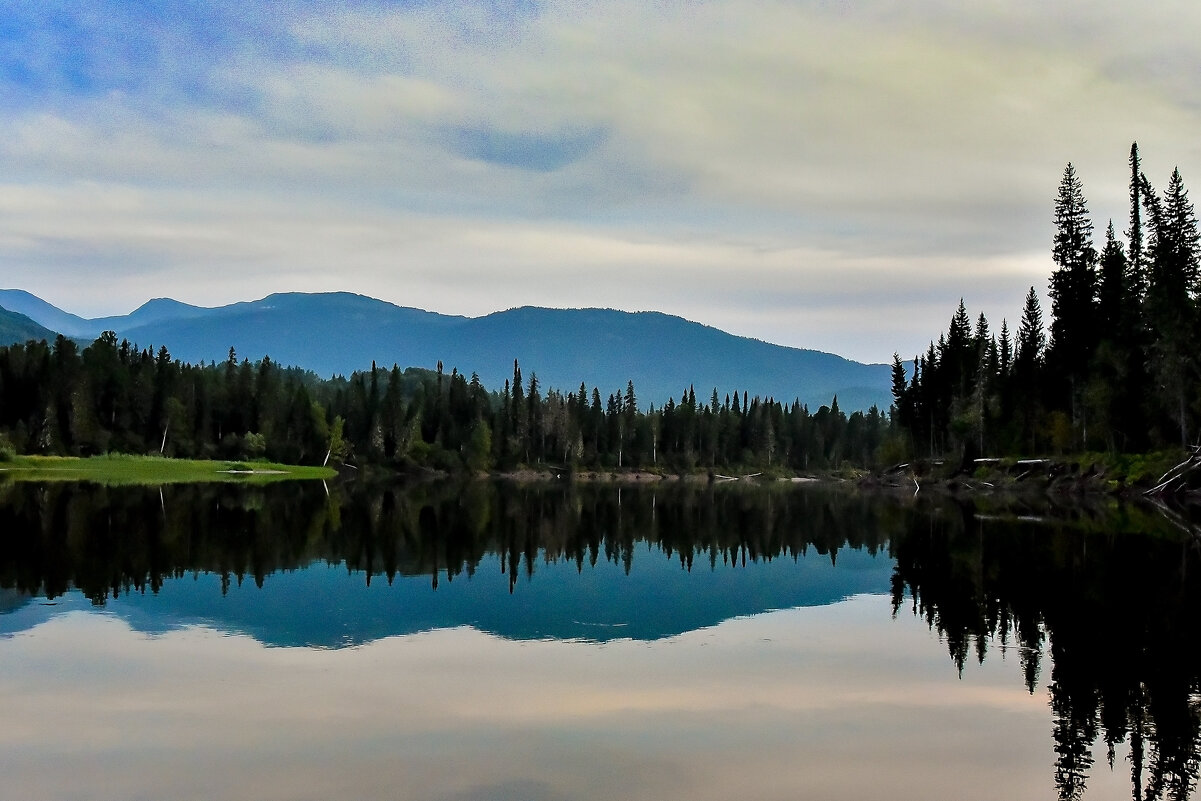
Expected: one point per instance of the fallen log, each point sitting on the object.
(1176, 479)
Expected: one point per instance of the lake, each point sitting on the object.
(486, 641)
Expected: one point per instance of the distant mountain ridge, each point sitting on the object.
(30, 306)
(340, 332)
(17, 327)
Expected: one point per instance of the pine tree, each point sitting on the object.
(960, 350)
(1112, 397)
(1171, 313)
(1073, 283)
(535, 439)
(1073, 297)
(1113, 290)
(517, 414)
(1028, 370)
(1135, 254)
(1176, 268)
(1032, 339)
(899, 385)
(1005, 353)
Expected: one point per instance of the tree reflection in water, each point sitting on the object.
(1113, 591)
(1108, 592)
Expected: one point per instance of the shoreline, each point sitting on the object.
(646, 477)
(1093, 476)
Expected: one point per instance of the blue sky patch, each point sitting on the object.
(526, 150)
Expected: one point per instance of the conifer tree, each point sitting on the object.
(1113, 290)
(1005, 352)
(1135, 254)
(899, 384)
(1171, 313)
(1073, 296)
(1032, 338)
(1113, 390)
(1028, 369)
(1073, 282)
(959, 353)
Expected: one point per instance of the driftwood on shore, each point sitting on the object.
(718, 477)
(1180, 478)
(1030, 473)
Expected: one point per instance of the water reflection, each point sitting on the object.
(478, 548)
(1108, 593)
(791, 704)
(1119, 610)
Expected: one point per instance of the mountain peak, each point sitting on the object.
(43, 313)
(335, 333)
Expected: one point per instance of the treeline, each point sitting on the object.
(114, 397)
(108, 543)
(1120, 370)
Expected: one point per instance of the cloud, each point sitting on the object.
(735, 161)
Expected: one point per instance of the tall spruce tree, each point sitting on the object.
(1135, 254)
(1032, 339)
(1073, 283)
(959, 353)
(1073, 294)
(1028, 372)
(1115, 386)
(1171, 311)
(1113, 290)
(1005, 352)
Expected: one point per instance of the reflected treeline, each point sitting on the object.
(107, 541)
(1116, 597)
(431, 531)
(1111, 593)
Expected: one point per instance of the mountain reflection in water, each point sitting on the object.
(1109, 593)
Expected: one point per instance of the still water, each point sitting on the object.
(490, 642)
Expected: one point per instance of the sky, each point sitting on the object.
(828, 175)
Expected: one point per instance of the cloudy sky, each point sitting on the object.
(832, 175)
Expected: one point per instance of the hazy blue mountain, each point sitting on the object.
(16, 327)
(54, 318)
(152, 311)
(45, 314)
(337, 333)
(664, 355)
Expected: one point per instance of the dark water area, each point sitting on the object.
(1066, 632)
(521, 563)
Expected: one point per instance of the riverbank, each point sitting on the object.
(122, 469)
(1093, 474)
(634, 476)
(1122, 475)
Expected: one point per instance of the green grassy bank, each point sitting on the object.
(117, 469)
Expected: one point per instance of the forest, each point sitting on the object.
(1116, 370)
(1113, 370)
(114, 397)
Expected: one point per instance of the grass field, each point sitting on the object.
(151, 470)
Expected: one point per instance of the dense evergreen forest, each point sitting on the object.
(1119, 370)
(1114, 370)
(114, 397)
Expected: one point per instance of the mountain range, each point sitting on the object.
(338, 333)
(15, 327)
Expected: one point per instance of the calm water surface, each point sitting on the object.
(482, 642)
